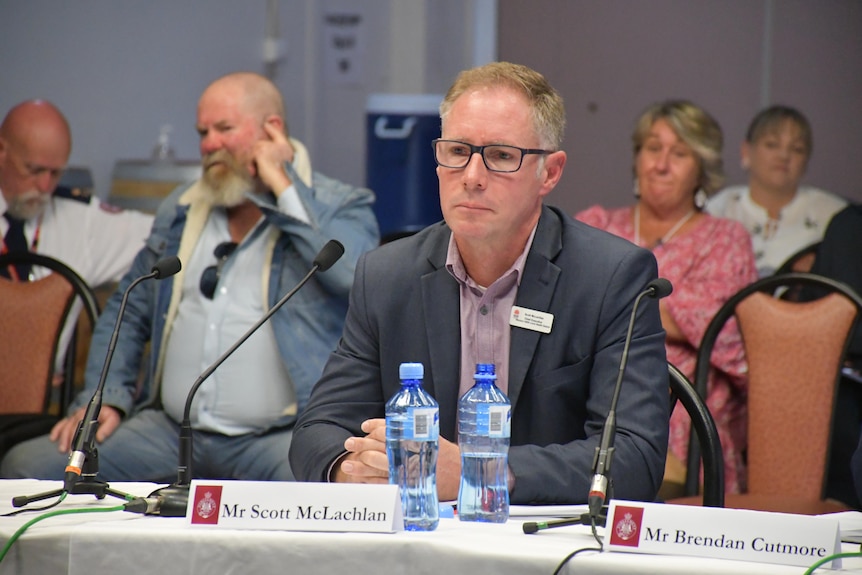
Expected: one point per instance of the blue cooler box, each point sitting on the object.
(400, 166)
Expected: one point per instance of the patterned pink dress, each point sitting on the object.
(706, 266)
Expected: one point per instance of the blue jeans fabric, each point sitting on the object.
(145, 448)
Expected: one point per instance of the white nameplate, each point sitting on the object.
(531, 319)
(295, 506)
(739, 534)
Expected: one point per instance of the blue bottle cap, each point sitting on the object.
(411, 371)
(485, 371)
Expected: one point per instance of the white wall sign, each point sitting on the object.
(344, 45)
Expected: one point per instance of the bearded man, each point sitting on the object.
(246, 233)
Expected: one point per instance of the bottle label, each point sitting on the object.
(423, 423)
(494, 420)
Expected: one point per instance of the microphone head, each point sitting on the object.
(530, 527)
(661, 287)
(328, 255)
(166, 267)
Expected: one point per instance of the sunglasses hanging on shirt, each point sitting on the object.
(211, 275)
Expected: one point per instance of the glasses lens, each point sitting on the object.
(452, 154)
(502, 158)
(224, 249)
(210, 277)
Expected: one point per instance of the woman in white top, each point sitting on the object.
(781, 216)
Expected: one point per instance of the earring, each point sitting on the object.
(636, 190)
(700, 199)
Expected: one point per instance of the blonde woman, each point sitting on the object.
(677, 165)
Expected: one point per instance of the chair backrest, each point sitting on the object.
(81, 288)
(794, 352)
(32, 316)
(801, 261)
(703, 425)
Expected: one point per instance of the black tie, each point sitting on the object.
(16, 241)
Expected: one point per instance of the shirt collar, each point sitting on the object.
(455, 265)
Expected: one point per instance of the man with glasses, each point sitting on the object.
(456, 294)
(246, 233)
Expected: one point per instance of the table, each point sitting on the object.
(95, 544)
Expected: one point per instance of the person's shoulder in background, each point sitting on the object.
(722, 203)
(596, 216)
(851, 215)
(824, 202)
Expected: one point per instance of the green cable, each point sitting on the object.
(829, 558)
(27, 525)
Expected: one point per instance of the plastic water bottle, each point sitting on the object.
(484, 428)
(163, 152)
(412, 431)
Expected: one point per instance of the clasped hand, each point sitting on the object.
(366, 461)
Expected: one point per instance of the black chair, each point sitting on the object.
(706, 434)
(801, 261)
(32, 318)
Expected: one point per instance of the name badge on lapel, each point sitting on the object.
(531, 319)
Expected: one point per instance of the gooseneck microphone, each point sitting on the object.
(85, 436)
(657, 288)
(171, 501)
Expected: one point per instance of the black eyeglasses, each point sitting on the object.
(210, 277)
(497, 157)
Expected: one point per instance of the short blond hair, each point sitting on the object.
(546, 104)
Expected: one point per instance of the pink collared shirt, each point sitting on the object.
(485, 311)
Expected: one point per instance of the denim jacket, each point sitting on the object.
(307, 327)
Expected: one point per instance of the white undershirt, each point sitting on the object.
(252, 387)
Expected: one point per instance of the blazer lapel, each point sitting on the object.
(442, 312)
(535, 292)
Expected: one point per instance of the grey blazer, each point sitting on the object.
(404, 306)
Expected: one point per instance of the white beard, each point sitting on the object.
(226, 184)
(28, 205)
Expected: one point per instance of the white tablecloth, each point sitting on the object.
(96, 544)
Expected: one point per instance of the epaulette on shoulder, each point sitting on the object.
(82, 195)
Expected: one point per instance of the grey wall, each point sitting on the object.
(119, 70)
(611, 59)
(122, 69)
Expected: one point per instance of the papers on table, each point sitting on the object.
(850, 525)
(546, 511)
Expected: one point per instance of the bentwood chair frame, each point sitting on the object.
(706, 432)
(32, 316)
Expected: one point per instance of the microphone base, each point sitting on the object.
(174, 500)
(95, 487)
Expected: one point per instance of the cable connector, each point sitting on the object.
(143, 505)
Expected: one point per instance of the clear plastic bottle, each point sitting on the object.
(412, 432)
(484, 428)
(162, 151)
